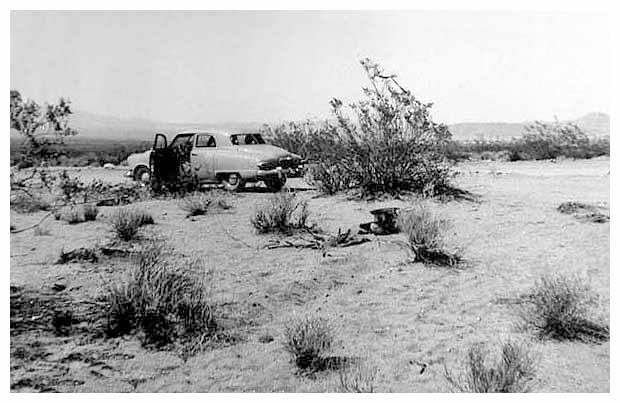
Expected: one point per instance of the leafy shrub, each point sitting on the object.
(163, 296)
(425, 231)
(560, 307)
(357, 378)
(199, 203)
(308, 339)
(127, 221)
(513, 372)
(283, 212)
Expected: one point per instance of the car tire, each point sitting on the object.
(233, 182)
(142, 174)
(275, 185)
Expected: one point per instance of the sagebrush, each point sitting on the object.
(283, 212)
(561, 307)
(165, 296)
(126, 222)
(425, 231)
(513, 372)
(307, 339)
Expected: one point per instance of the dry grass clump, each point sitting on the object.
(25, 203)
(199, 203)
(512, 372)
(307, 339)
(163, 296)
(560, 307)
(75, 214)
(127, 221)
(358, 377)
(283, 213)
(90, 212)
(425, 232)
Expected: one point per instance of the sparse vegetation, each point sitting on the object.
(23, 202)
(199, 203)
(512, 372)
(425, 232)
(307, 339)
(561, 307)
(358, 377)
(164, 296)
(41, 231)
(283, 213)
(127, 221)
(90, 212)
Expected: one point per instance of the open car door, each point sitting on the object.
(163, 163)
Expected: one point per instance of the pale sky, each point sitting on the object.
(204, 66)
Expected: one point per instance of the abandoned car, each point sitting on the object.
(200, 157)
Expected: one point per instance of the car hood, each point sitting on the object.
(265, 151)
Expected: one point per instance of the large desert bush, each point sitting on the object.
(425, 230)
(561, 307)
(308, 339)
(512, 372)
(283, 212)
(385, 143)
(163, 295)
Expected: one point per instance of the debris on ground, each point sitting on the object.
(315, 240)
(78, 255)
(584, 212)
(384, 223)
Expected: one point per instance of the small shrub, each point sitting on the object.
(308, 339)
(425, 231)
(127, 221)
(90, 212)
(200, 203)
(357, 378)
(24, 203)
(164, 297)
(513, 372)
(283, 213)
(72, 215)
(560, 307)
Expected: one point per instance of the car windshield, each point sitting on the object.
(181, 139)
(246, 139)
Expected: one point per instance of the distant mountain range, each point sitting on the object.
(101, 127)
(594, 124)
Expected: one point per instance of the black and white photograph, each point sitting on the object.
(310, 200)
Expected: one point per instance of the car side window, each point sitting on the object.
(205, 140)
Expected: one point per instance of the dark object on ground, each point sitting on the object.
(584, 212)
(384, 223)
(78, 255)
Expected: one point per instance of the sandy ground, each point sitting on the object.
(391, 313)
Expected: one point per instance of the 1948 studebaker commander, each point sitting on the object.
(199, 157)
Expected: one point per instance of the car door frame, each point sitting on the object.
(203, 160)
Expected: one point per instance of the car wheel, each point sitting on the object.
(142, 174)
(275, 185)
(233, 182)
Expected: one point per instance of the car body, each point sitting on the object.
(200, 157)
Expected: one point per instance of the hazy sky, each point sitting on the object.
(270, 66)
